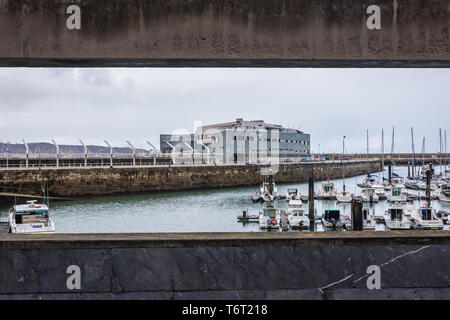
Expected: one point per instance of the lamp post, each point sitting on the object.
(154, 152)
(192, 149)
(110, 154)
(173, 151)
(85, 153)
(27, 153)
(134, 152)
(57, 153)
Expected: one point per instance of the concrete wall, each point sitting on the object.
(317, 33)
(412, 264)
(106, 181)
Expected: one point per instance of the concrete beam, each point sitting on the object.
(224, 33)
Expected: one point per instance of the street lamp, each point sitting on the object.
(110, 154)
(85, 153)
(134, 152)
(57, 153)
(27, 152)
(154, 152)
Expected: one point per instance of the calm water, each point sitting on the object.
(192, 211)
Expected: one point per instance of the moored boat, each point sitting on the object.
(30, 218)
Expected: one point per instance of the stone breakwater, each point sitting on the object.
(89, 182)
(333, 265)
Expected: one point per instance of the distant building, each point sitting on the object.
(243, 142)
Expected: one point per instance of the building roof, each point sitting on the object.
(252, 124)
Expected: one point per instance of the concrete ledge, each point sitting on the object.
(226, 239)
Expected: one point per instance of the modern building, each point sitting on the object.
(253, 141)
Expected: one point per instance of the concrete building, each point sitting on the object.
(254, 141)
(240, 142)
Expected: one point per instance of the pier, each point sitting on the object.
(76, 182)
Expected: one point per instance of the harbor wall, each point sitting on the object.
(411, 265)
(88, 182)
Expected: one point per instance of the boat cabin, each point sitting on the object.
(396, 214)
(295, 204)
(30, 213)
(270, 212)
(332, 214)
(328, 187)
(426, 214)
(292, 192)
(396, 192)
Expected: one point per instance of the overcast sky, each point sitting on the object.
(139, 104)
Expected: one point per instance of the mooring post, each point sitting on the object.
(428, 192)
(357, 215)
(311, 200)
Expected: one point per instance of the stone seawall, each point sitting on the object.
(330, 265)
(85, 182)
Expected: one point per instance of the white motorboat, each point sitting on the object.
(344, 197)
(30, 218)
(397, 194)
(269, 217)
(297, 216)
(425, 218)
(268, 189)
(332, 220)
(369, 195)
(369, 220)
(292, 194)
(256, 197)
(327, 190)
(396, 220)
(368, 182)
(379, 191)
(444, 195)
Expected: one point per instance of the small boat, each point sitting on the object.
(292, 194)
(369, 195)
(327, 190)
(443, 215)
(269, 217)
(444, 195)
(396, 220)
(397, 194)
(268, 189)
(344, 197)
(30, 218)
(369, 220)
(412, 184)
(425, 218)
(297, 216)
(332, 220)
(379, 191)
(368, 182)
(256, 197)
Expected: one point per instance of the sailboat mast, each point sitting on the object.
(367, 156)
(342, 160)
(440, 148)
(392, 144)
(413, 153)
(382, 153)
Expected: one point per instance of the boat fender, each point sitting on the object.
(274, 222)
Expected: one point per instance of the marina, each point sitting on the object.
(213, 210)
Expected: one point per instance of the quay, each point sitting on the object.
(90, 182)
(256, 265)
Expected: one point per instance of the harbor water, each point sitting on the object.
(212, 210)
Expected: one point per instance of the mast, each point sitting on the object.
(367, 156)
(392, 144)
(342, 163)
(382, 154)
(440, 149)
(413, 153)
